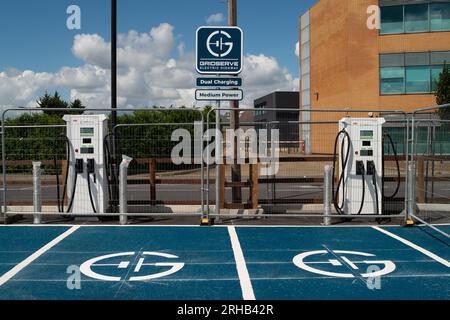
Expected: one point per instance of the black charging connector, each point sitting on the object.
(90, 166)
(371, 168)
(79, 166)
(360, 168)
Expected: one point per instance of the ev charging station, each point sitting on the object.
(86, 182)
(360, 182)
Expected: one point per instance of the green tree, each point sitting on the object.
(76, 107)
(77, 104)
(52, 102)
(56, 102)
(443, 92)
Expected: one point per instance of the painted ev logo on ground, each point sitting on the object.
(340, 259)
(216, 43)
(109, 264)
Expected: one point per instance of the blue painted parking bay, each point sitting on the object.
(223, 263)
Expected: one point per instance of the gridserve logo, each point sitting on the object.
(219, 50)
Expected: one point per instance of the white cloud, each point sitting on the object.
(262, 75)
(92, 49)
(297, 49)
(154, 69)
(18, 88)
(215, 18)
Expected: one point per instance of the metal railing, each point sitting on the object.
(321, 131)
(23, 144)
(299, 189)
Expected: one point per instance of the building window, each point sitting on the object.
(413, 18)
(416, 18)
(392, 20)
(440, 16)
(392, 80)
(418, 79)
(411, 73)
(435, 72)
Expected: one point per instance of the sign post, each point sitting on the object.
(219, 52)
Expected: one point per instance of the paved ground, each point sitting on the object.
(229, 262)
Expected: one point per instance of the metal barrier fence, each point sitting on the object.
(431, 157)
(416, 166)
(303, 150)
(155, 183)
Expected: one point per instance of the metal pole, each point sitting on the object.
(411, 190)
(409, 153)
(114, 157)
(123, 200)
(114, 62)
(207, 168)
(37, 201)
(234, 116)
(4, 185)
(327, 195)
(218, 163)
(202, 169)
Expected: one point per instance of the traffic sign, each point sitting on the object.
(219, 82)
(219, 50)
(219, 95)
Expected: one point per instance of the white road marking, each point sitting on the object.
(139, 265)
(351, 264)
(11, 273)
(333, 262)
(414, 246)
(362, 226)
(244, 277)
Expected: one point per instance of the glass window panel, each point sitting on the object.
(439, 57)
(305, 67)
(392, 20)
(392, 80)
(392, 60)
(417, 59)
(304, 36)
(440, 16)
(418, 79)
(306, 97)
(435, 72)
(305, 51)
(416, 18)
(306, 82)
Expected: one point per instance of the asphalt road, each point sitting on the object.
(18, 193)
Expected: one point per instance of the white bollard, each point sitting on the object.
(37, 201)
(123, 200)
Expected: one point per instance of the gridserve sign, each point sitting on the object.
(219, 50)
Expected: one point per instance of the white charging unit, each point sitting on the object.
(365, 153)
(86, 134)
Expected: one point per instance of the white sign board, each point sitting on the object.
(219, 95)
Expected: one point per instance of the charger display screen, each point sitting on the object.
(86, 132)
(88, 150)
(366, 134)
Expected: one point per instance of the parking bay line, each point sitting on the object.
(19, 267)
(414, 246)
(244, 277)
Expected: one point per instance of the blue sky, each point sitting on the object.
(34, 35)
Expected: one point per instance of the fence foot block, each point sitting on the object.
(206, 222)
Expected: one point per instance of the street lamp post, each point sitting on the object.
(113, 62)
